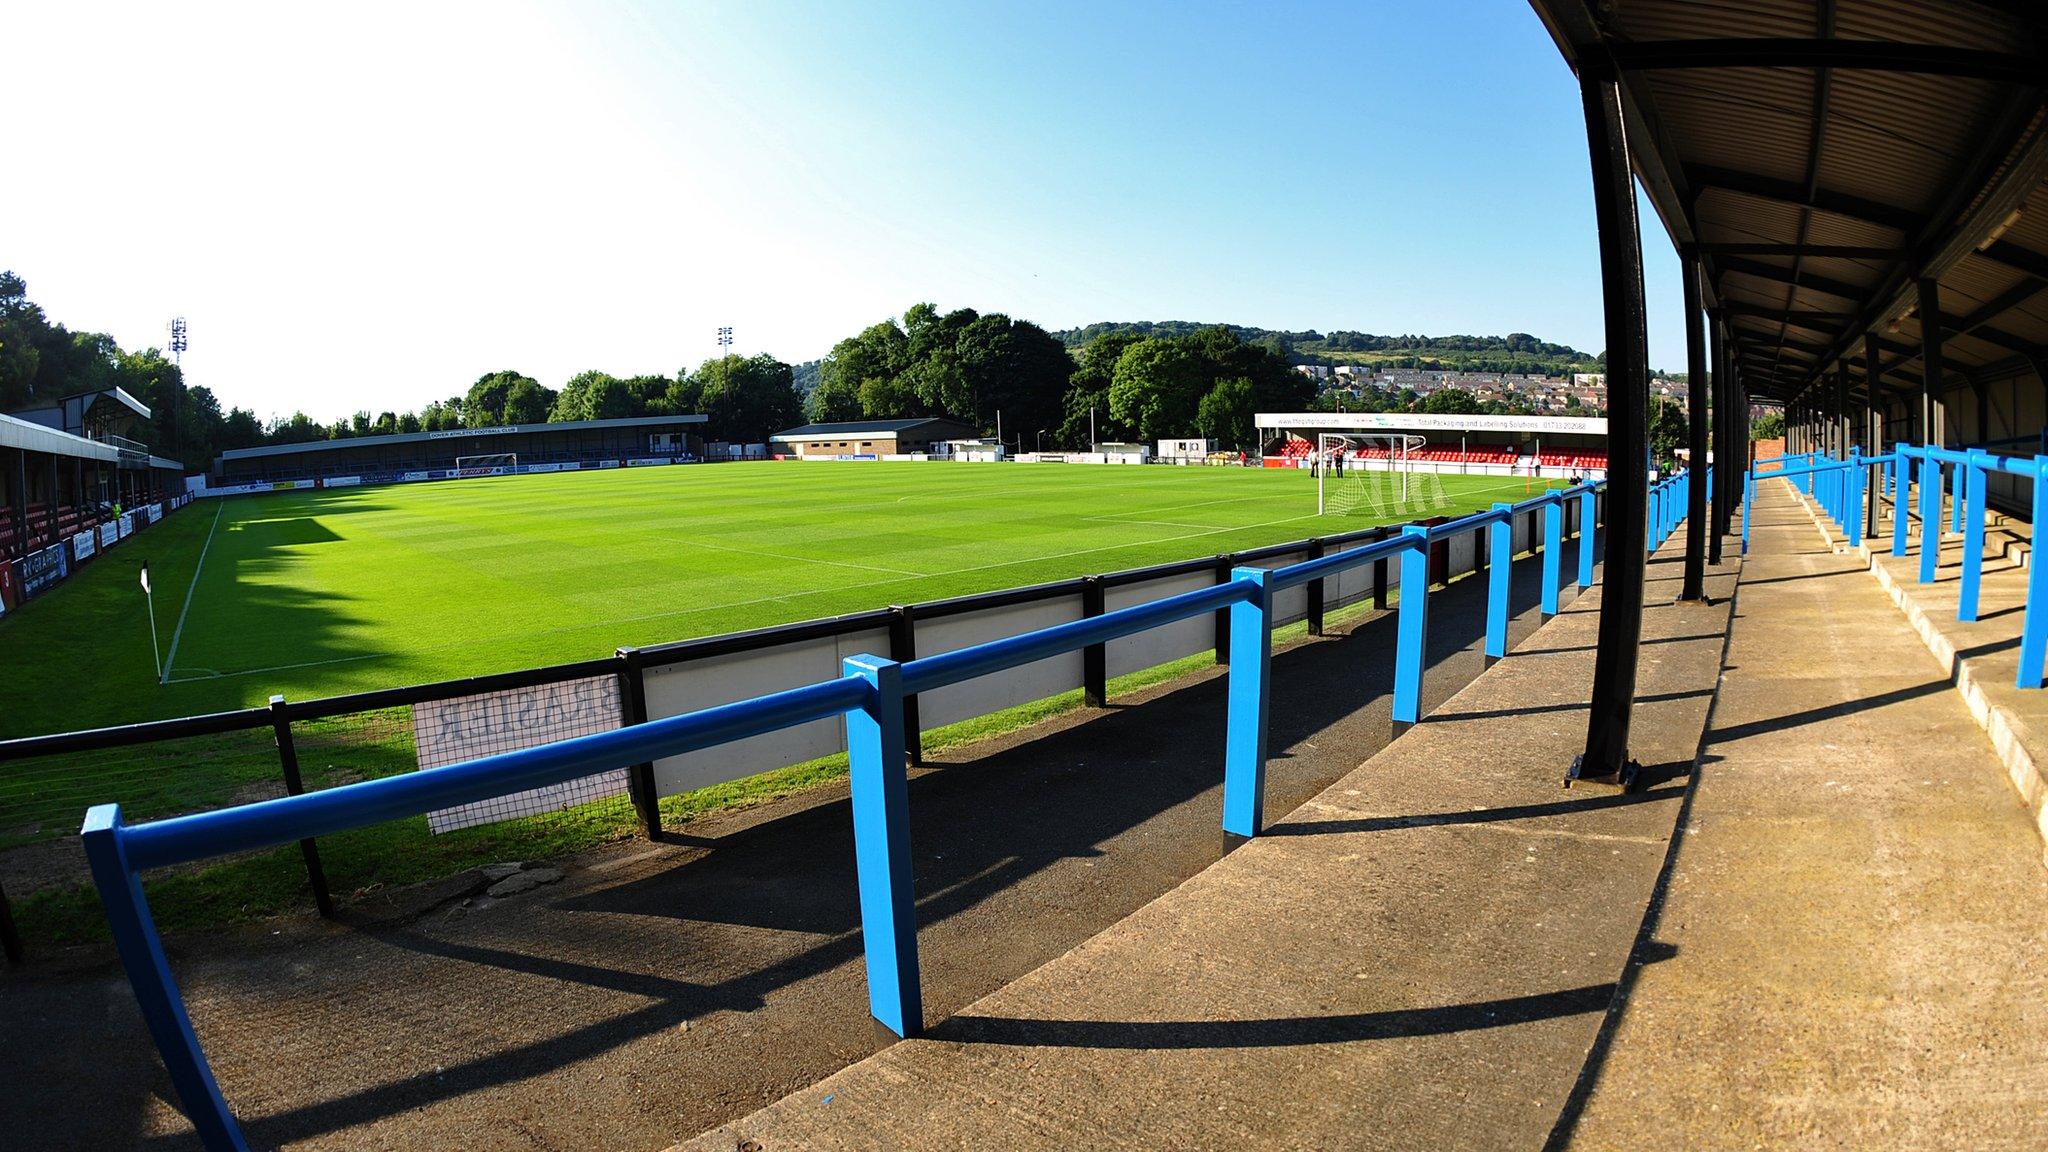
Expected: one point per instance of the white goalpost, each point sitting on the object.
(1360, 486)
(490, 464)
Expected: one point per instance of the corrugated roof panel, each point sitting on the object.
(1893, 140)
(1701, 19)
(1979, 26)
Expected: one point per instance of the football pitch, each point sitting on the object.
(317, 593)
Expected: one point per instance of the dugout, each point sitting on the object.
(565, 446)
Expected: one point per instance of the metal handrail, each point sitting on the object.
(870, 695)
(1842, 496)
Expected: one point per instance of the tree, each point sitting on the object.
(833, 400)
(1156, 388)
(527, 401)
(748, 399)
(573, 401)
(484, 406)
(1226, 415)
(1769, 426)
(409, 423)
(1451, 402)
(649, 396)
(1085, 407)
(881, 352)
(1668, 430)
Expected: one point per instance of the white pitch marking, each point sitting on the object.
(189, 589)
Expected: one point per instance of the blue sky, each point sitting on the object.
(371, 206)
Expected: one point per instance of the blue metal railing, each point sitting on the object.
(870, 696)
(1840, 486)
(1668, 504)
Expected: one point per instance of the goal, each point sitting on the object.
(1374, 473)
(492, 464)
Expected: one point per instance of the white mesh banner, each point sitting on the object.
(466, 727)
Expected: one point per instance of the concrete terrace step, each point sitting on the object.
(1420, 956)
(1854, 931)
(1981, 658)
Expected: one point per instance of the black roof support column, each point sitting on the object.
(1605, 758)
(1696, 529)
(1727, 470)
(1930, 355)
(1840, 421)
(1873, 424)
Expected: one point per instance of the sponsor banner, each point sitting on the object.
(436, 474)
(535, 469)
(9, 596)
(343, 481)
(110, 532)
(607, 464)
(127, 523)
(84, 545)
(459, 433)
(847, 456)
(282, 485)
(42, 568)
(452, 731)
(646, 461)
(483, 470)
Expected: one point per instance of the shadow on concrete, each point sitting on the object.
(988, 820)
(1478, 816)
(1276, 1033)
(1536, 709)
(1834, 711)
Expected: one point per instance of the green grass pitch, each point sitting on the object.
(317, 593)
(323, 592)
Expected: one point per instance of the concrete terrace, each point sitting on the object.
(1446, 949)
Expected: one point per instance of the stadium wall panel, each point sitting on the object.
(1129, 654)
(685, 687)
(986, 694)
(1291, 604)
(1349, 586)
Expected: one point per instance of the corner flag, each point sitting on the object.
(151, 597)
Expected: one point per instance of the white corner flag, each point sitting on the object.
(151, 597)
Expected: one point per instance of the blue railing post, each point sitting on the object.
(1959, 491)
(2034, 629)
(1244, 752)
(1930, 515)
(881, 846)
(1748, 506)
(1500, 558)
(1587, 530)
(1852, 496)
(1901, 500)
(1410, 641)
(1553, 547)
(142, 954)
(1970, 482)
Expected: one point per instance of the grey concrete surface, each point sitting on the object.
(1980, 657)
(1421, 956)
(1852, 948)
(660, 989)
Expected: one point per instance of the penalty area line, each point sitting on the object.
(179, 631)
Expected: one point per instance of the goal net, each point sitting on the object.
(493, 464)
(1375, 474)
